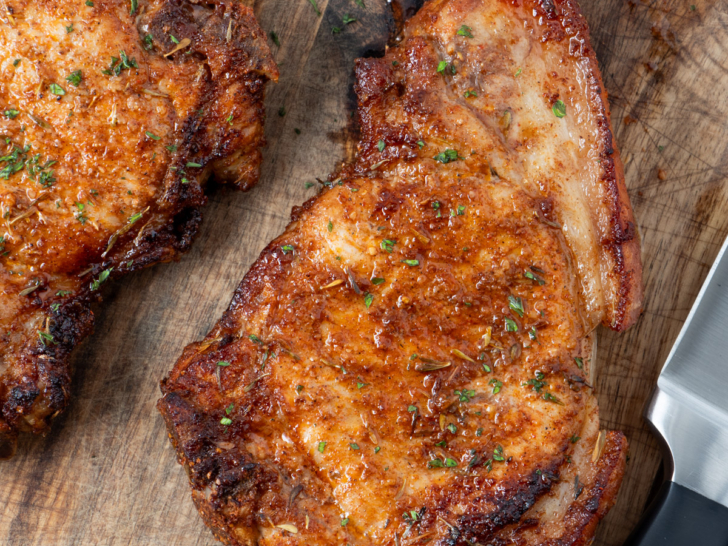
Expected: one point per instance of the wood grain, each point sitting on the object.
(106, 474)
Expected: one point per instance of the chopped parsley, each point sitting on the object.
(89, 3)
(123, 62)
(133, 7)
(470, 93)
(330, 226)
(335, 30)
(511, 325)
(175, 40)
(450, 463)
(226, 421)
(345, 520)
(536, 384)
(559, 109)
(498, 454)
(518, 73)
(321, 447)
(74, 78)
(55, 307)
(411, 263)
(255, 339)
(69, 28)
(148, 42)
(579, 362)
(465, 31)
(354, 446)
(103, 276)
(57, 89)
(223, 363)
(516, 305)
(46, 338)
(11, 113)
(368, 299)
(377, 280)
(441, 66)
(534, 277)
(274, 37)
(452, 428)
(447, 156)
(15, 161)
(381, 145)
(387, 244)
(282, 111)
(152, 135)
(496, 385)
(348, 19)
(465, 395)
(287, 248)
(192, 164)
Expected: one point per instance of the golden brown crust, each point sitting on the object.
(408, 361)
(114, 134)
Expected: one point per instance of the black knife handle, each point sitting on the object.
(681, 517)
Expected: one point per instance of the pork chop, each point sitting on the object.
(114, 114)
(411, 361)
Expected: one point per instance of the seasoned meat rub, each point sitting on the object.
(411, 361)
(114, 114)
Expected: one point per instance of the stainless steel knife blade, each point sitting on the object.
(690, 405)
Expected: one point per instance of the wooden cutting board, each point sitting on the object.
(106, 474)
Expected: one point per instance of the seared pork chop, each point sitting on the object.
(410, 361)
(114, 115)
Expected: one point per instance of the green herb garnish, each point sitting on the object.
(465, 31)
(447, 156)
(74, 78)
(559, 109)
(57, 89)
(516, 305)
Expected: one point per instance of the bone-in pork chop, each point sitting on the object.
(113, 115)
(411, 361)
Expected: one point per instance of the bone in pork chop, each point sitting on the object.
(115, 114)
(410, 362)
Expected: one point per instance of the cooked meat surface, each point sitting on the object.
(410, 361)
(114, 113)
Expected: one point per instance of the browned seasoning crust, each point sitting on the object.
(128, 116)
(410, 360)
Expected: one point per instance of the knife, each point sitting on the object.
(689, 411)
